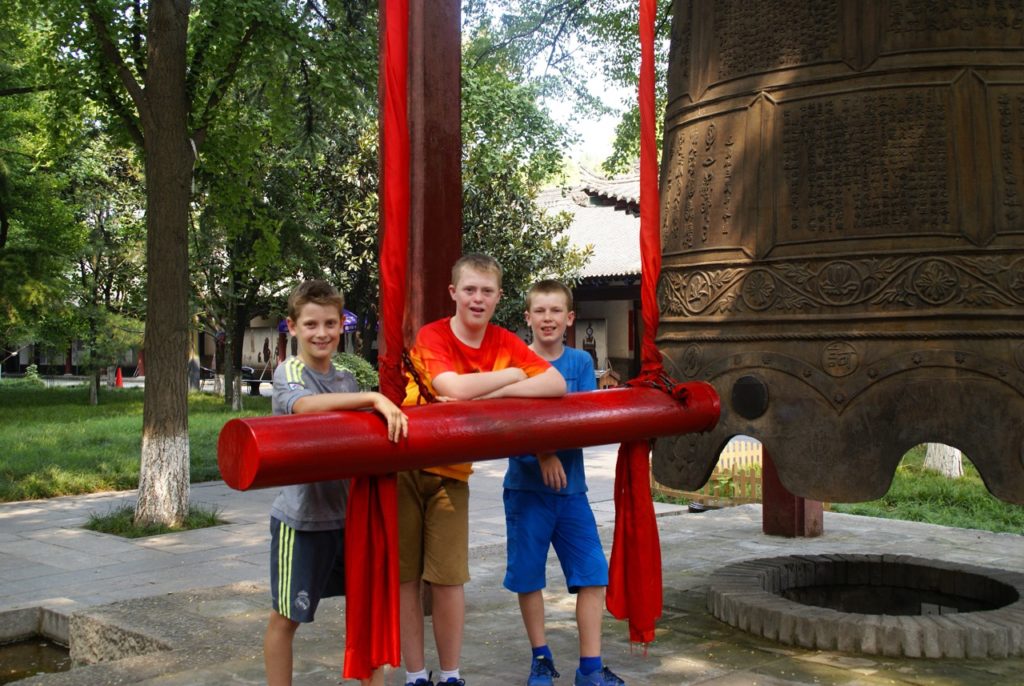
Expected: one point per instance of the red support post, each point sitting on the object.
(785, 514)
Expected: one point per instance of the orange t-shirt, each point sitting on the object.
(437, 350)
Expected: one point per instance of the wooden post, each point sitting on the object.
(435, 130)
(785, 514)
(435, 164)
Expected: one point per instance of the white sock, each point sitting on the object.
(413, 677)
(448, 674)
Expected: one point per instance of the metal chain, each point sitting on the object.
(424, 391)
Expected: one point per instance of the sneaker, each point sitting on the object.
(542, 672)
(453, 681)
(602, 677)
(420, 682)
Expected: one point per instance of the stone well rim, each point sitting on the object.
(746, 595)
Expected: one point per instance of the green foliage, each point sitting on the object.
(660, 497)
(54, 443)
(73, 198)
(510, 148)
(32, 375)
(21, 382)
(38, 237)
(286, 175)
(343, 217)
(105, 193)
(360, 368)
(261, 220)
(120, 521)
(561, 46)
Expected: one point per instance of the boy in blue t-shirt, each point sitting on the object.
(546, 504)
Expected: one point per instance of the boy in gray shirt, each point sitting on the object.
(307, 521)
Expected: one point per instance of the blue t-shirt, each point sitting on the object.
(523, 471)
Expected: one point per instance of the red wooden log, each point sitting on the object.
(258, 452)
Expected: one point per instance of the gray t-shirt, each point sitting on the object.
(319, 506)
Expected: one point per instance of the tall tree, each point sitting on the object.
(344, 209)
(105, 193)
(511, 147)
(133, 59)
(286, 114)
(38, 236)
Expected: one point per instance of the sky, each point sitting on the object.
(596, 135)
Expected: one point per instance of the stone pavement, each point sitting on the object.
(190, 608)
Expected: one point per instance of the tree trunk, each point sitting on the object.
(239, 322)
(164, 473)
(94, 388)
(229, 375)
(944, 459)
(232, 370)
(236, 397)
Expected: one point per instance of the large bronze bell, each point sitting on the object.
(843, 235)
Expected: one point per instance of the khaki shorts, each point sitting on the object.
(433, 528)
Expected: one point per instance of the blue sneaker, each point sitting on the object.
(420, 682)
(542, 672)
(602, 677)
(453, 682)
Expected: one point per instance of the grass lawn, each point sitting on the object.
(921, 495)
(52, 442)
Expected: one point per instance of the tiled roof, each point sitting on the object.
(620, 188)
(604, 216)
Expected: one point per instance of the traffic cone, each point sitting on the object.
(118, 381)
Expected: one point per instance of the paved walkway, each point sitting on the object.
(48, 560)
(200, 597)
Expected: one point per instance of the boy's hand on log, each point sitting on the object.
(398, 422)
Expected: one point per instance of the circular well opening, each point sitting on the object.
(893, 605)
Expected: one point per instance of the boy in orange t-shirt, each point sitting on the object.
(462, 357)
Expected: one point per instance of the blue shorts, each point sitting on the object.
(305, 566)
(534, 521)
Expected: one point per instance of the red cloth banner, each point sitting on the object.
(634, 588)
(634, 594)
(650, 221)
(371, 531)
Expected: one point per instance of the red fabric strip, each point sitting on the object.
(634, 588)
(394, 197)
(634, 583)
(371, 532)
(650, 224)
(371, 577)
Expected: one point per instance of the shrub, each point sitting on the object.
(366, 375)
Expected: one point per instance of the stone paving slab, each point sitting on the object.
(204, 595)
(214, 634)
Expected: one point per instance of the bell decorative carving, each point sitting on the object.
(842, 193)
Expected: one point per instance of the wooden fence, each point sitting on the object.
(736, 479)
